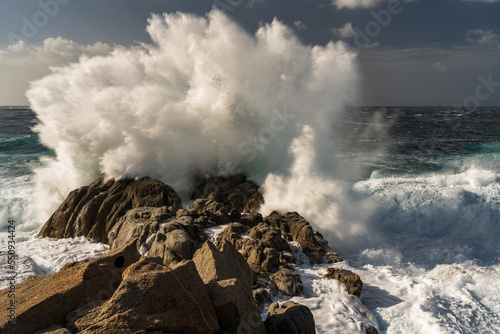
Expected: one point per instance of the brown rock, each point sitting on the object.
(139, 223)
(261, 295)
(351, 281)
(236, 192)
(152, 297)
(232, 234)
(370, 330)
(235, 308)
(214, 265)
(311, 242)
(45, 301)
(54, 330)
(172, 247)
(92, 211)
(251, 219)
(253, 252)
(271, 260)
(185, 223)
(214, 211)
(288, 282)
(270, 236)
(290, 318)
(235, 215)
(331, 256)
(288, 258)
(276, 220)
(301, 231)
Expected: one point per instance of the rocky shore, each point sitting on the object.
(212, 267)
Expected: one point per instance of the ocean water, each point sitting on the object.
(409, 196)
(434, 183)
(20, 153)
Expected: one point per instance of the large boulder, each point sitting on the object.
(251, 219)
(311, 242)
(301, 231)
(213, 212)
(236, 192)
(230, 287)
(177, 240)
(276, 220)
(263, 248)
(236, 310)
(350, 280)
(232, 234)
(370, 329)
(214, 265)
(288, 282)
(289, 318)
(172, 247)
(92, 211)
(45, 301)
(253, 251)
(270, 236)
(153, 298)
(139, 223)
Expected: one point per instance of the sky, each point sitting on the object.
(410, 52)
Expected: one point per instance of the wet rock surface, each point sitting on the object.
(236, 192)
(92, 211)
(350, 280)
(289, 318)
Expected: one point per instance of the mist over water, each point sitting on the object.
(205, 98)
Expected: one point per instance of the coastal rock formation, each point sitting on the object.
(236, 192)
(287, 282)
(92, 211)
(152, 297)
(139, 223)
(289, 318)
(218, 265)
(235, 308)
(184, 282)
(232, 234)
(53, 330)
(172, 246)
(351, 281)
(268, 254)
(45, 301)
(206, 211)
(312, 244)
(177, 240)
(123, 293)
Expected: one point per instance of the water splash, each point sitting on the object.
(205, 98)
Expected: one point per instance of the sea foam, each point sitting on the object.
(204, 98)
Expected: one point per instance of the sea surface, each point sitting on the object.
(432, 177)
(20, 153)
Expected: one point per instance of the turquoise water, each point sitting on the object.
(20, 153)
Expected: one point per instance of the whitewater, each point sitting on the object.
(410, 197)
